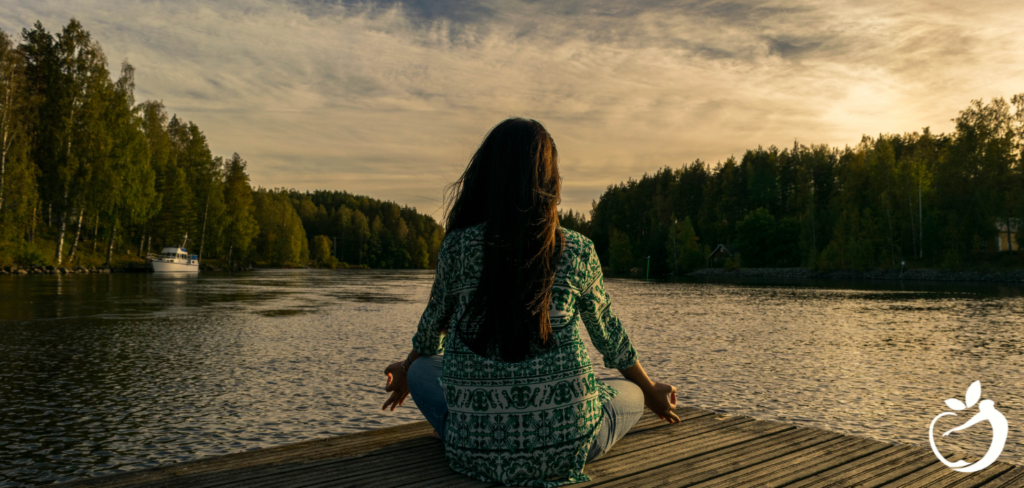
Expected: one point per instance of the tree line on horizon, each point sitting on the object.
(88, 176)
(930, 199)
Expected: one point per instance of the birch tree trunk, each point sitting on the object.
(110, 243)
(95, 232)
(78, 232)
(202, 234)
(5, 136)
(64, 211)
(60, 237)
(3, 169)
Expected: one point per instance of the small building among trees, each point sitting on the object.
(720, 254)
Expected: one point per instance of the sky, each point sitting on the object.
(390, 99)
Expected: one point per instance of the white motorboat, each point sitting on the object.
(175, 260)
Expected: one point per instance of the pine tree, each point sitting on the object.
(241, 226)
(683, 247)
(621, 252)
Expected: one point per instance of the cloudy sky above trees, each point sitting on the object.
(389, 99)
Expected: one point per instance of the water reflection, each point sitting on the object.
(104, 373)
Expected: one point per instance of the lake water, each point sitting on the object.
(107, 373)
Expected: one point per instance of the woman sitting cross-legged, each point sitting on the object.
(514, 397)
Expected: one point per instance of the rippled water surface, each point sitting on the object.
(107, 373)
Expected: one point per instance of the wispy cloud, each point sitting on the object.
(390, 99)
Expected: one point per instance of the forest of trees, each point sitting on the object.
(928, 199)
(88, 177)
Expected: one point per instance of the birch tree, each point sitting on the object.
(12, 81)
(68, 72)
(18, 188)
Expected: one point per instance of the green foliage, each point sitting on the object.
(18, 194)
(683, 247)
(320, 251)
(282, 239)
(29, 255)
(420, 254)
(574, 221)
(621, 252)
(240, 225)
(83, 167)
(929, 198)
(755, 238)
(79, 161)
(368, 231)
(766, 241)
(857, 243)
(732, 263)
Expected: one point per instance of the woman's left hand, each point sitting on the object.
(398, 385)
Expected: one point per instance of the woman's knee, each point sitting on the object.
(425, 368)
(422, 377)
(629, 392)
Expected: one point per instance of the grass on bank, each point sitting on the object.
(43, 252)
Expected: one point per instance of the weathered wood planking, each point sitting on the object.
(706, 450)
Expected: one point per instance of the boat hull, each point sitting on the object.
(165, 267)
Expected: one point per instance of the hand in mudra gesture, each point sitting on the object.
(397, 384)
(661, 399)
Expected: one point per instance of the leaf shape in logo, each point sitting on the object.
(955, 404)
(973, 394)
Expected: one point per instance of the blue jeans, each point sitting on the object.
(620, 414)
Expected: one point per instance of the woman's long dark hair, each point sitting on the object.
(512, 186)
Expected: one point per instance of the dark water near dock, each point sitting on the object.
(106, 373)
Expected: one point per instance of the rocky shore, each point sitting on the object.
(120, 268)
(9, 270)
(1008, 276)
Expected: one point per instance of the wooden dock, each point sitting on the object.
(705, 450)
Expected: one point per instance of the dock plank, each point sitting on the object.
(980, 478)
(852, 472)
(718, 462)
(705, 449)
(795, 466)
(1014, 478)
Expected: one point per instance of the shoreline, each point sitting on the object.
(118, 268)
(1008, 276)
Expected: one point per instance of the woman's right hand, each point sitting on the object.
(661, 399)
(397, 385)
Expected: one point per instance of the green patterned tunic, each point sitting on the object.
(531, 422)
